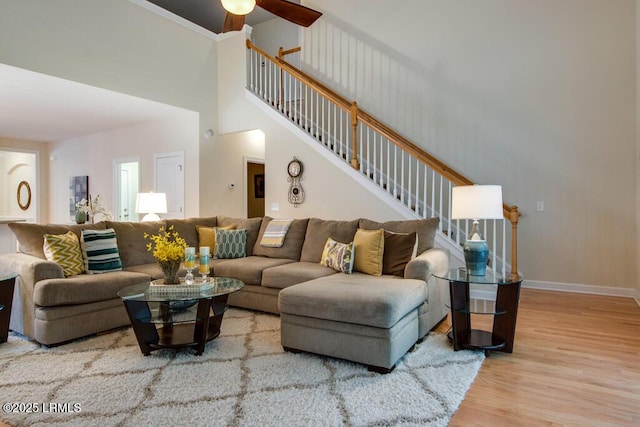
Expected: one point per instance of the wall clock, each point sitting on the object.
(296, 193)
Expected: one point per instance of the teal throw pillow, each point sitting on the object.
(100, 251)
(231, 243)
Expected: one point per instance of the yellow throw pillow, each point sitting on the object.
(64, 250)
(207, 236)
(368, 246)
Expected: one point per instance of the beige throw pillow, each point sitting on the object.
(369, 250)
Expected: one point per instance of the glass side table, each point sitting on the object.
(7, 283)
(504, 311)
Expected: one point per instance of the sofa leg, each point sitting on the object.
(291, 350)
(412, 349)
(380, 369)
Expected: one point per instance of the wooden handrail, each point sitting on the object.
(510, 212)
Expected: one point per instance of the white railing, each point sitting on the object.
(421, 183)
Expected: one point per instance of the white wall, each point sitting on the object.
(91, 155)
(535, 96)
(39, 187)
(120, 46)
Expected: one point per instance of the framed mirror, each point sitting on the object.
(24, 195)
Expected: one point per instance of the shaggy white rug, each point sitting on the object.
(243, 378)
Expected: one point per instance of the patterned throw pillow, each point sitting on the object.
(338, 256)
(369, 248)
(100, 251)
(64, 250)
(231, 243)
(207, 236)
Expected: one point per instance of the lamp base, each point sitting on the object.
(150, 217)
(476, 254)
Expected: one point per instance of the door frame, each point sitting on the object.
(245, 175)
(116, 183)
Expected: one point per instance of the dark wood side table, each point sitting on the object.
(504, 311)
(157, 323)
(7, 283)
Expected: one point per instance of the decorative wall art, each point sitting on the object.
(258, 182)
(78, 190)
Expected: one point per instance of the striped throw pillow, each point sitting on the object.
(64, 250)
(100, 251)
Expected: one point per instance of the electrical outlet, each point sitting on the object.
(275, 207)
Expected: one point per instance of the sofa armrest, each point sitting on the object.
(434, 260)
(30, 270)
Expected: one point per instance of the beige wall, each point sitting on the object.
(533, 95)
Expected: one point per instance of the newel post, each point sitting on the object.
(354, 136)
(514, 216)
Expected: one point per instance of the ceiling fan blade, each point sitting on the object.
(232, 22)
(292, 12)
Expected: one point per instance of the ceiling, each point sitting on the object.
(38, 107)
(210, 14)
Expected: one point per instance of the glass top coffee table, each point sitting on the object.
(176, 316)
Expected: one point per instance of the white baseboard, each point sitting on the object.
(564, 287)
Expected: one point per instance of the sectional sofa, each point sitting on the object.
(371, 319)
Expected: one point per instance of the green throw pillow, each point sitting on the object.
(231, 243)
(100, 251)
(338, 256)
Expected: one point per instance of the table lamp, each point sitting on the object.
(476, 202)
(151, 204)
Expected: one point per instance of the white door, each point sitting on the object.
(169, 179)
(126, 173)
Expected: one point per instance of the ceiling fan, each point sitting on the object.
(292, 12)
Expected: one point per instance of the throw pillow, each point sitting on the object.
(338, 256)
(231, 243)
(100, 251)
(207, 236)
(399, 249)
(64, 250)
(369, 249)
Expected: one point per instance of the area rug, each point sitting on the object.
(243, 378)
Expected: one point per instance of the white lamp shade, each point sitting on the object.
(476, 202)
(239, 7)
(151, 203)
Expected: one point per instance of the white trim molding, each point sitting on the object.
(581, 289)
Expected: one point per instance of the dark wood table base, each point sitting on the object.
(6, 300)
(196, 334)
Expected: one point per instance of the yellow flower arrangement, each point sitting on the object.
(168, 249)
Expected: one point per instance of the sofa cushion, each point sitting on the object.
(84, 288)
(100, 251)
(152, 270)
(319, 230)
(286, 275)
(64, 250)
(230, 243)
(354, 298)
(186, 228)
(248, 269)
(252, 225)
(398, 251)
(425, 229)
(369, 250)
(338, 256)
(292, 246)
(30, 236)
(131, 242)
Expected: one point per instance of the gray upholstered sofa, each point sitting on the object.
(369, 319)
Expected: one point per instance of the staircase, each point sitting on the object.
(415, 179)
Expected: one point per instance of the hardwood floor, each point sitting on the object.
(576, 361)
